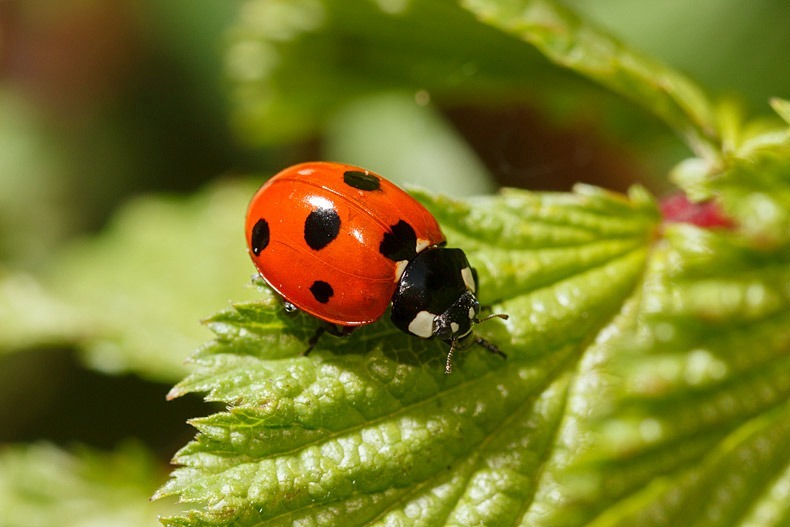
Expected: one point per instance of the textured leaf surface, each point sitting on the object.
(42, 485)
(647, 378)
(369, 429)
(648, 373)
(637, 384)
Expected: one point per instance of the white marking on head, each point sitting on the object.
(399, 268)
(469, 279)
(422, 325)
(421, 244)
(454, 327)
(472, 313)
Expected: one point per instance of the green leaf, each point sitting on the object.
(32, 168)
(699, 378)
(741, 480)
(752, 183)
(32, 316)
(131, 297)
(755, 190)
(647, 374)
(647, 379)
(293, 64)
(575, 44)
(369, 429)
(689, 405)
(42, 485)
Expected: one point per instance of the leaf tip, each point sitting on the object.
(174, 393)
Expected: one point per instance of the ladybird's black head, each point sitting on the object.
(436, 298)
(457, 320)
(436, 295)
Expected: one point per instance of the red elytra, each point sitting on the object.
(323, 230)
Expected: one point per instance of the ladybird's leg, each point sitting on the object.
(448, 365)
(338, 330)
(326, 327)
(320, 330)
(464, 343)
(492, 348)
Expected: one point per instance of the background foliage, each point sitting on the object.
(127, 130)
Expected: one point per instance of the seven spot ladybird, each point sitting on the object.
(343, 244)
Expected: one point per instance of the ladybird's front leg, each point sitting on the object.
(292, 310)
(326, 327)
(492, 348)
(320, 330)
(466, 341)
(448, 364)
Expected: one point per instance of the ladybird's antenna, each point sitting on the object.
(503, 316)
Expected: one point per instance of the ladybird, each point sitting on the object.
(344, 244)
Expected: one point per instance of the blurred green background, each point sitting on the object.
(130, 132)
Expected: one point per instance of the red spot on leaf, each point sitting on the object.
(677, 208)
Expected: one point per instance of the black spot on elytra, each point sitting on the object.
(400, 243)
(361, 180)
(322, 291)
(321, 227)
(260, 236)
